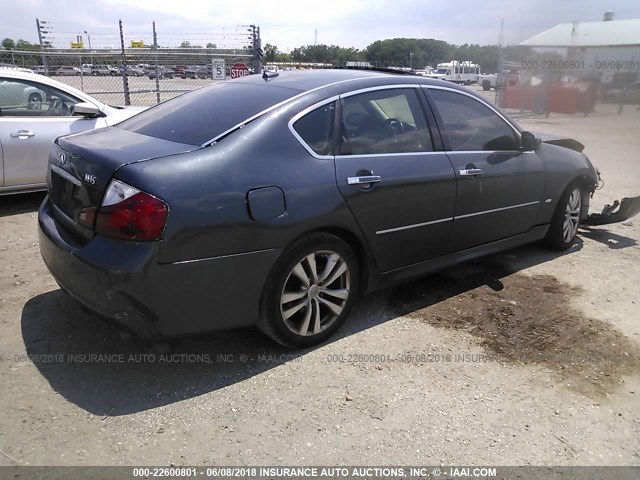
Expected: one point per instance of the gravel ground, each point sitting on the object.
(526, 357)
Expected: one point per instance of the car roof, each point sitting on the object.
(305, 80)
(34, 77)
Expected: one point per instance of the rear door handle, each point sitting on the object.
(23, 134)
(363, 180)
(466, 172)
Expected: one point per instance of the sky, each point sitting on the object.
(292, 23)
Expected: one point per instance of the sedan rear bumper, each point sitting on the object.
(122, 282)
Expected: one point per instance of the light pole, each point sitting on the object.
(42, 39)
(411, 60)
(90, 49)
(88, 39)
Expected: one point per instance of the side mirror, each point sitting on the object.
(528, 141)
(87, 110)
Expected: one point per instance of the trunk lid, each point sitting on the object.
(81, 167)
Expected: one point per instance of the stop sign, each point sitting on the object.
(239, 70)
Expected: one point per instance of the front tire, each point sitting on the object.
(310, 291)
(566, 219)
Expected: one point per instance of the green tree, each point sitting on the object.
(211, 45)
(8, 43)
(270, 53)
(24, 45)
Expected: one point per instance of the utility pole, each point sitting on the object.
(41, 40)
(125, 78)
(155, 49)
(500, 80)
(256, 46)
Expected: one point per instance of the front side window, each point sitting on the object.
(316, 129)
(383, 121)
(470, 125)
(20, 98)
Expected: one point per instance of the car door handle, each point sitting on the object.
(466, 172)
(365, 179)
(23, 134)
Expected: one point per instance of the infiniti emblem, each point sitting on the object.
(62, 158)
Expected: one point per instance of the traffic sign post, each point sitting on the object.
(239, 70)
(218, 69)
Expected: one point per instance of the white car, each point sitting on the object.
(35, 110)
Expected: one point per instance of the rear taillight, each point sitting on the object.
(130, 214)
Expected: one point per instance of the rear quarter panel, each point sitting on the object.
(207, 192)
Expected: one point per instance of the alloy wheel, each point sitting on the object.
(572, 215)
(315, 293)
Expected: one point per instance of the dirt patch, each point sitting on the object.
(530, 319)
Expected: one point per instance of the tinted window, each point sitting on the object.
(21, 98)
(316, 129)
(383, 121)
(196, 117)
(470, 125)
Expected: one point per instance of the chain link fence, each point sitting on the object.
(136, 78)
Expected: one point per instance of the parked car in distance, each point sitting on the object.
(276, 200)
(628, 94)
(132, 71)
(196, 71)
(34, 110)
(179, 69)
(67, 71)
(162, 72)
(41, 70)
(104, 70)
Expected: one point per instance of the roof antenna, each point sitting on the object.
(268, 74)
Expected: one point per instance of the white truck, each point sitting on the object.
(465, 72)
(489, 81)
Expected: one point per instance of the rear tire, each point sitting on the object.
(566, 219)
(310, 291)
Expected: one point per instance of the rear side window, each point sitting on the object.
(383, 121)
(197, 117)
(470, 125)
(316, 129)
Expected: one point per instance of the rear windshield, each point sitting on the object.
(197, 117)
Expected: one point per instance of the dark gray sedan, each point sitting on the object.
(276, 200)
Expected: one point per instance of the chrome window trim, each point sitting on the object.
(493, 210)
(414, 225)
(460, 152)
(273, 107)
(481, 102)
(301, 114)
(370, 155)
(379, 87)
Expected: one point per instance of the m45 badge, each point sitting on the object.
(90, 179)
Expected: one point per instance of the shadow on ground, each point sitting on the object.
(23, 203)
(608, 238)
(92, 367)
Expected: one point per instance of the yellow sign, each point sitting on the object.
(137, 43)
(77, 45)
